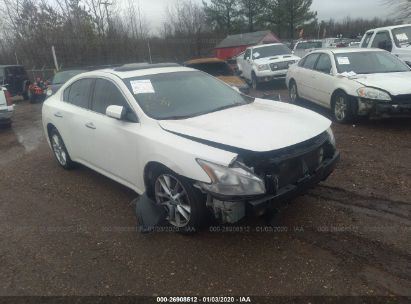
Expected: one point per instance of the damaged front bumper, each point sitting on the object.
(289, 192)
(367, 107)
(233, 209)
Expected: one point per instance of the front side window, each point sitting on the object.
(106, 94)
(182, 95)
(270, 51)
(310, 61)
(79, 93)
(369, 63)
(324, 64)
(247, 54)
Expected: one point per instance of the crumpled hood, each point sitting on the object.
(275, 59)
(260, 126)
(232, 80)
(393, 83)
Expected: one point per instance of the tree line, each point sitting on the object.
(98, 32)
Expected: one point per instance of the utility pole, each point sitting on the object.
(106, 5)
(53, 51)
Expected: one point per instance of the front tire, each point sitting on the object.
(60, 151)
(341, 108)
(185, 205)
(254, 82)
(293, 92)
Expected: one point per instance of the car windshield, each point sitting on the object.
(62, 77)
(309, 45)
(213, 68)
(369, 63)
(183, 95)
(271, 50)
(402, 36)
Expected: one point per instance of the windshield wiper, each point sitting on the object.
(203, 113)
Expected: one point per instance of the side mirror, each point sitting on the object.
(117, 112)
(235, 88)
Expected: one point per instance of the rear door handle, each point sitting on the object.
(90, 125)
(58, 114)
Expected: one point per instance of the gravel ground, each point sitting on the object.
(73, 232)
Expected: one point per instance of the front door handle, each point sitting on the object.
(90, 125)
(58, 114)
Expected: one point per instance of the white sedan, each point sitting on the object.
(190, 142)
(352, 82)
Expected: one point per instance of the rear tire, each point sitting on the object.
(60, 151)
(185, 205)
(341, 108)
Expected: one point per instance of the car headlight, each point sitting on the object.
(331, 136)
(371, 93)
(231, 181)
(263, 67)
(49, 92)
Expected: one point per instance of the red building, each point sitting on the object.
(236, 44)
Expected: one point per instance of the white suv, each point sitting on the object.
(6, 107)
(395, 39)
(189, 141)
(264, 63)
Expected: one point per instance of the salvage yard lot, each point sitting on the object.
(73, 232)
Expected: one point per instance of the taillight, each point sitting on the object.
(8, 98)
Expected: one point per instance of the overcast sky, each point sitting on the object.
(337, 9)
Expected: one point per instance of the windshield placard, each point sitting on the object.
(402, 37)
(343, 60)
(143, 86)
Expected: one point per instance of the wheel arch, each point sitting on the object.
(149, 169)
(336, 91)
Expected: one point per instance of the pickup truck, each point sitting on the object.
(264, 63)
(6, 107)
(395, 39)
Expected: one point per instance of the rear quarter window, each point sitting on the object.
(79, 93)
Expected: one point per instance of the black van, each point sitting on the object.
(15, 78)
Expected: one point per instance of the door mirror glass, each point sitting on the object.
(117, 112)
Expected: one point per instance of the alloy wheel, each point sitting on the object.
(58, 149)
(293, 93)
(340, 108)
(170, 193)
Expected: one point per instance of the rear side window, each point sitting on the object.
(106, 94)
(324, 64)
(367, 39)
(380, 37)
(79, 93)
(310, 61)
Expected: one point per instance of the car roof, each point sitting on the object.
(389, 27)
(312, 40)
(140, 69)
(347, 50)
(204, 60)
(263, 45)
